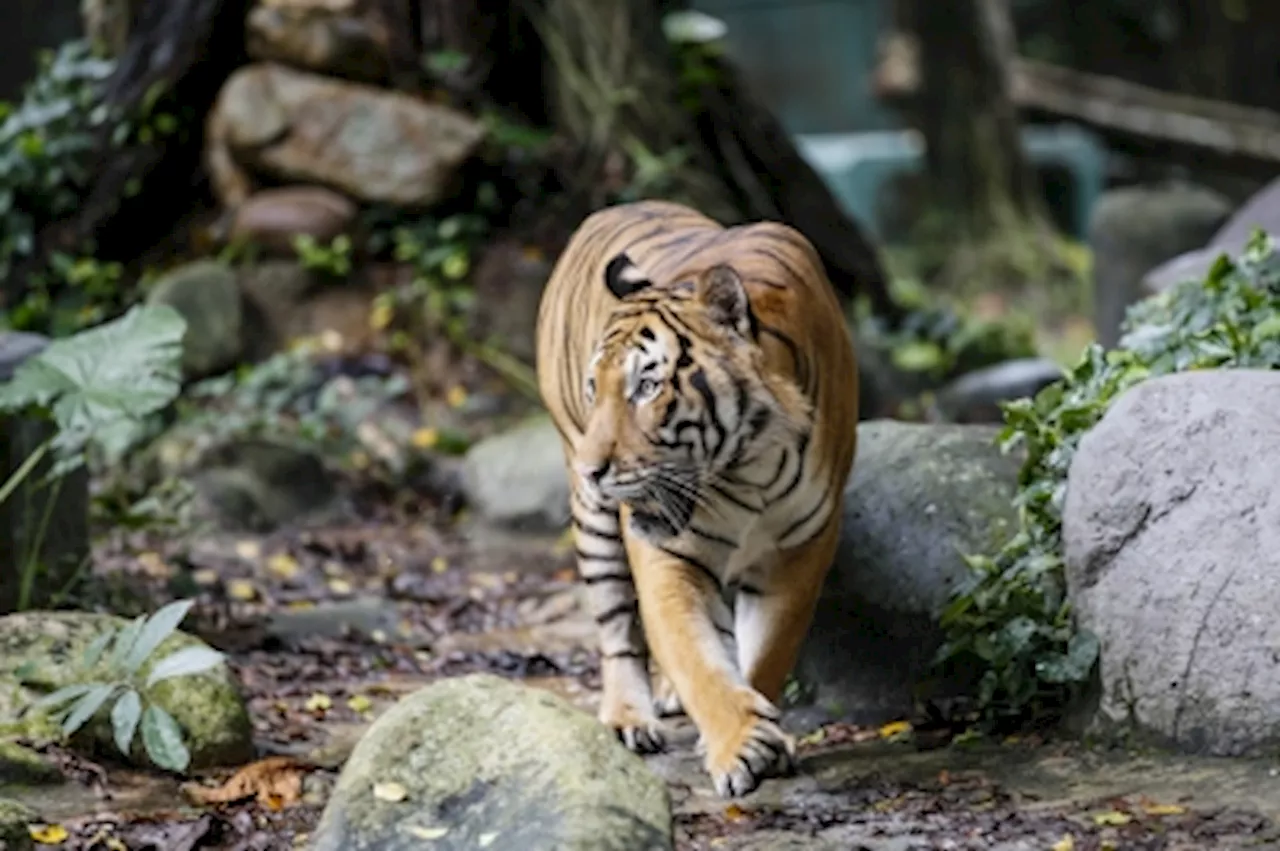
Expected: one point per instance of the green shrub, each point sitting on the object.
(1012, 618)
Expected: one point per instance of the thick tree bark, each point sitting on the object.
(977, 172)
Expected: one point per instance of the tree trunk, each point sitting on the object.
(976, 169)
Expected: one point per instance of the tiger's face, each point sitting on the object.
(675, 395)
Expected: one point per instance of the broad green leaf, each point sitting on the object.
(125, 716)
(157, 628)
(61, 695)
(117, 372)
(162, 737)
(125, 640)
(93, 653)
(184, 662)
(86, 707)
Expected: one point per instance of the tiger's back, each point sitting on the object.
(704, 384)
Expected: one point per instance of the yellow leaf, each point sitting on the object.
(390, 790)
(1066, 843)
(360, 459)
(533, 253)
(733, 812)
(1113, 817)
(1163, 809)
(153, 565)
(427, 832)
(359, 703)
(242, 590)
(457, 396)
(380, 315)
(340, 586)
(425, 438)
(439, 565)
(49, 834)
(895, 728)
(249, 550)
(318, 702)
(283, 565)
(206, 576)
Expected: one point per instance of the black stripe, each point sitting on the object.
(698, 381)
(807, 517)
(583, 555)
(597, 578)
(731, 498)
(584, 526)
(625, 654)
(795, 480)
(696, 564)
(632, 608)
(777, 474)
(711, 536)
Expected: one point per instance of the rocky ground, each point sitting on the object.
(326, 629)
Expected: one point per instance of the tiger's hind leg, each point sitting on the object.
(688, 626)
(626, 703)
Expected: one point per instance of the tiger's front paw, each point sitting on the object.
(757, 749)
(640, 732)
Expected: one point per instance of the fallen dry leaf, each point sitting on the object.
(389, 790)
(1114, 817)
(1163, 809)
(48, 834)
(426, 832)
(283, 565)
(895, 728)
(1066, 843)
(276, 782)
(242, 590)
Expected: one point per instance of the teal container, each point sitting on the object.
(810, 61)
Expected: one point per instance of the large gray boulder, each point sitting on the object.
(1262, 210)
(483, 762)
(1134, 229)
(920, 497)
(1172, 535)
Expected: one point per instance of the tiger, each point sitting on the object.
(704, 385)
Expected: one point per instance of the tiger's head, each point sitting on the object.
(678, 396)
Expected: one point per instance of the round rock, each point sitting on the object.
(483, 762)
(921, 496)
(1171, 529)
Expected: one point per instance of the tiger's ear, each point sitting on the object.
(623, 277)
(720, 289)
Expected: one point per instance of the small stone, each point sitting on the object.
(320, 38)
(518, 478)
(206, 294)
(486, 762)
(272, 218)
(259, 485)
(975, 397)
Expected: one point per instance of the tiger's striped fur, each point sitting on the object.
(705, 387)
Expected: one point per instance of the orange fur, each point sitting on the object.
(705, 387)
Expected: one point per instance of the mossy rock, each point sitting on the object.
(14, 833)
(23, 766)
(208, 706)
(489, 763)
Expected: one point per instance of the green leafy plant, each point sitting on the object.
(1012, 619)
(97, 386)
(332, 259)
(104, 677)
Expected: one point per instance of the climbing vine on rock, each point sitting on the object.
(1012, 619)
